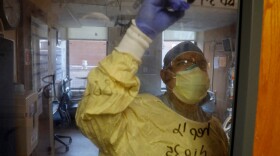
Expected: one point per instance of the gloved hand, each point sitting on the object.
(154, 15)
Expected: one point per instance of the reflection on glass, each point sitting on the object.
(94, 28)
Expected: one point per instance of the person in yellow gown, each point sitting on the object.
(122, 122)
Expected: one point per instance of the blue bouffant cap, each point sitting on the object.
(179, 49)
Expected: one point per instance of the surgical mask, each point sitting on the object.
(191, 85)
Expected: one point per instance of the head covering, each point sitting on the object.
(182, 47)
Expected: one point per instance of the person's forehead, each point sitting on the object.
(190, 55)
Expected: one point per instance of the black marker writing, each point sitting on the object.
(228, 2)
(203, 151)
(180, 130)
(200, 132)
(188, 152)
(211, 2)
(174, 151)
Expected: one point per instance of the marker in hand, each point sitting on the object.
(174, 6)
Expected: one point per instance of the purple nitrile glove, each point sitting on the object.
(155, 16)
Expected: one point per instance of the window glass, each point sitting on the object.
(210, 25)
(134, 106)
(83, 56)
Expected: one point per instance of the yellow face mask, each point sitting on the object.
(191, 85)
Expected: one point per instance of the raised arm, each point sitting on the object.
(113, 85)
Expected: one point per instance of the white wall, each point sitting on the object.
(92, 33)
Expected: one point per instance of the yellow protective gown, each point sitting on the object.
(122, 122)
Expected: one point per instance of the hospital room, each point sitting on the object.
(125, 77)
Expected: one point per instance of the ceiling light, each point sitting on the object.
(96, 16)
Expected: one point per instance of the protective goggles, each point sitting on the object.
(188, 63)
